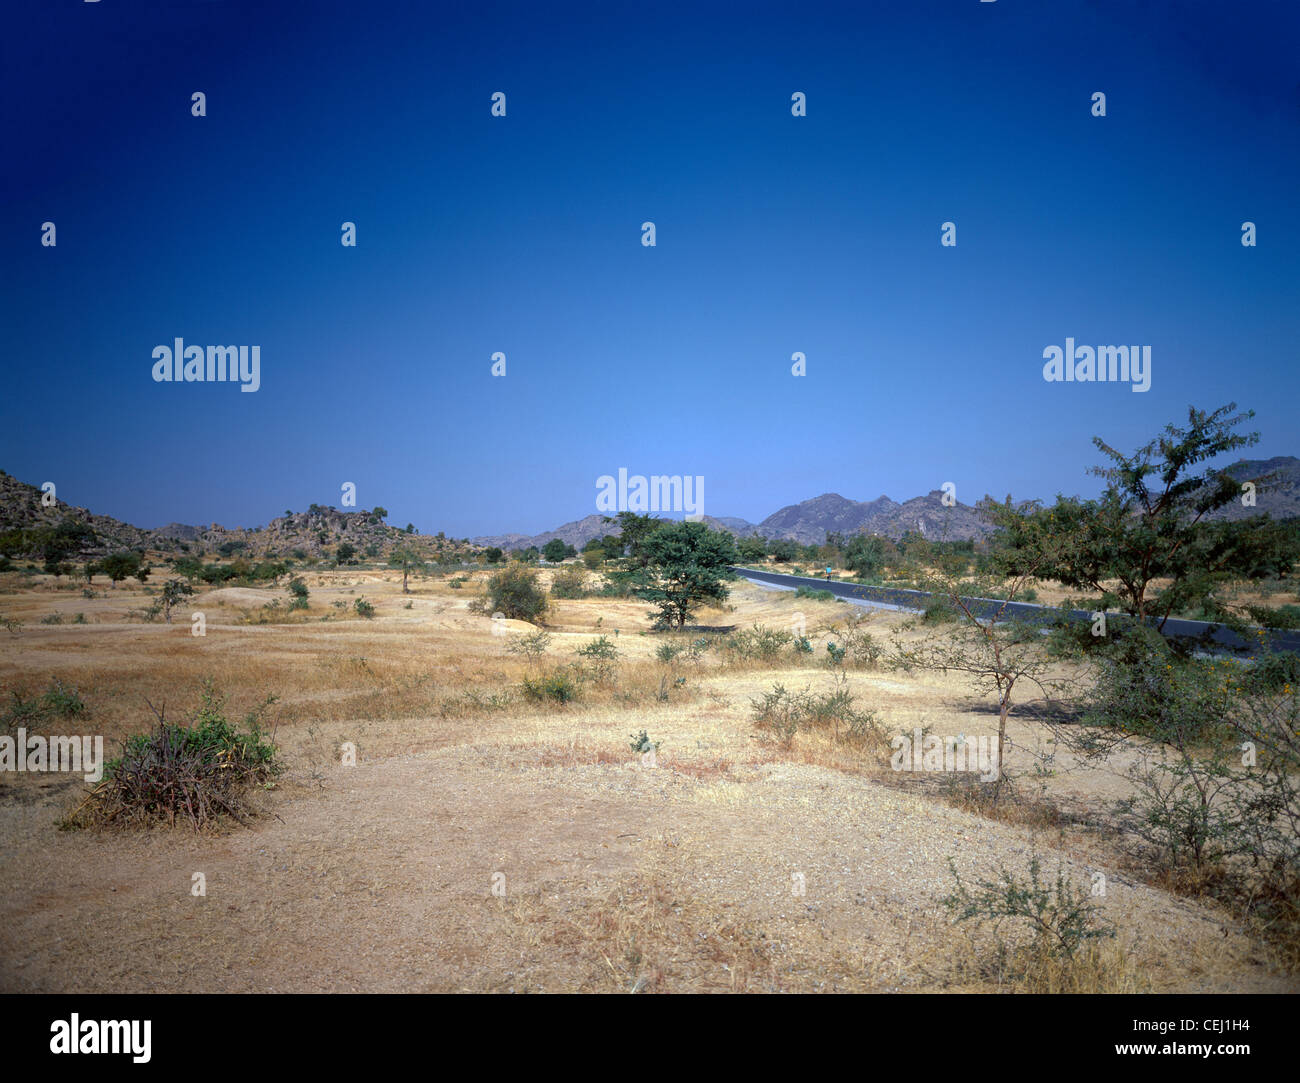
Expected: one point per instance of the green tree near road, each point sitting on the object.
(687, 562)
(1146, 546)
(865, 555)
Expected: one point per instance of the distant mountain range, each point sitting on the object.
(320, 529)
(809, 521)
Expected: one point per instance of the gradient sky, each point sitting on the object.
(522, 234)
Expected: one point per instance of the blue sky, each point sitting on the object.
(521, 234)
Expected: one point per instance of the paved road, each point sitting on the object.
(916, 599)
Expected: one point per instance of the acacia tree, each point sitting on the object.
(174, 590)
(687, 562)
(407, 560)
(119, 566)
(1145, 546)
(515, 593)
(634, 529)
(1000, 653)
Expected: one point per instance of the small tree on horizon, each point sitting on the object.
(118, 566)
(173, 591)
(406, 560)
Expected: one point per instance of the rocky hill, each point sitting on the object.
(807, 523)
(811, 520)
(21, 509)
(316, 532)
(1280, 498)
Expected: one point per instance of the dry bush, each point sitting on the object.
(782, 714)
(202, 772)
(1046, 936)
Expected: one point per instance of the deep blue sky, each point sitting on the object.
(775, 234)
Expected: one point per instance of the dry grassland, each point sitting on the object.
(617, 875)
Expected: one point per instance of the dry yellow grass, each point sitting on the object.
(731, 864)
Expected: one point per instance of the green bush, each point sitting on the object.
(938, 610)
(1059, 917)
(569, 583)
(558, 686)
(1284, 618)
(61, 700)
(364, 608)
(530, 646)
(298, 593)
(1216, 788)
(783, 714)
(57, 701)
(624, 582)
(602, 657)
(759, 643)
(666, 652)
(856, 646)
(516, 593)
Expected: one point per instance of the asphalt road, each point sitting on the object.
(915, 599)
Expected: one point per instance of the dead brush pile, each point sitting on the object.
(203, 773)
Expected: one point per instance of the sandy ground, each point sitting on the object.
(509, 847)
